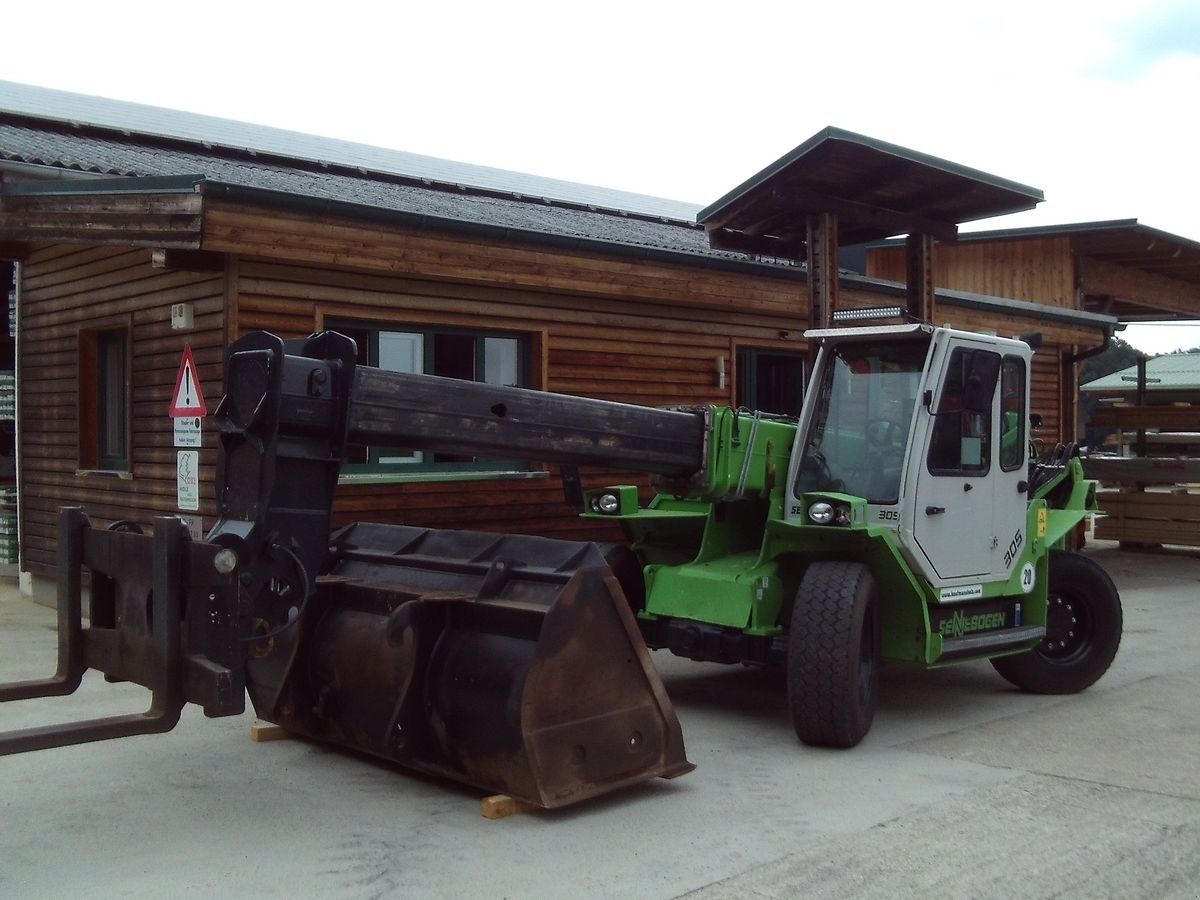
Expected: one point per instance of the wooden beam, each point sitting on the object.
(1136, 286)
(187, 260)
(1164, 418)
(1141, 470)
(855, 213)
(164, 220)
(501, 806)
(822, 268)
(739, 242)
(919, 283)
(14, 250)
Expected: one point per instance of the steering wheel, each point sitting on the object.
(815, 472)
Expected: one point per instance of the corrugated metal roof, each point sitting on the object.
(1174, 372)
(211, 132)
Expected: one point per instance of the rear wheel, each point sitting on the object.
(1083, 631)
(834, 651)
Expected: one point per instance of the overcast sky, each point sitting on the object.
(1095, 102)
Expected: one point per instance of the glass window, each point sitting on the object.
(104, 399)
(472, 356)
(770, 381)
(961, 442)
(858, 437)
(1012, 414)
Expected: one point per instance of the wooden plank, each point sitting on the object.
(1134, 285)
(1148, 531)
(501, 806)
(1150, 505)
(1141, 470)
(1164, 418)
(260, 733)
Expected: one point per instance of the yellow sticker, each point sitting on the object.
(1042, 522)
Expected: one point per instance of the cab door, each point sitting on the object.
(952, 517)
(1010, 498)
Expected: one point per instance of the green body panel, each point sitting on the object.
(736, 591)
(748, 457)
(1080, 502)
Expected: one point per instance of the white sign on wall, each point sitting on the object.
(187, 467)
(187, 431)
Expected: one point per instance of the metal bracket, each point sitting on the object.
(163, 615)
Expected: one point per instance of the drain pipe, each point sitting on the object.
(1079, 357)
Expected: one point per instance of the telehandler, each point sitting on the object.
(900, 519)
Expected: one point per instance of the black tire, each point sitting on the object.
(834, 654)
(1083, 631)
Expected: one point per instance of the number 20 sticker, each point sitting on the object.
(1028, 577)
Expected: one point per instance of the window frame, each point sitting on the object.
(960, 414)
(105, 433)
(1021, 439)
(748, 357)
(371, 469)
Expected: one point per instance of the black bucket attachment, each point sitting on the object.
(511, 663)
(162, 616)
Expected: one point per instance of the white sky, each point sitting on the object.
(1093, 101)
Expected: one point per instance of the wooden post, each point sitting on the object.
(822, 259)
(918, 251)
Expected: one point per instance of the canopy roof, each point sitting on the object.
(876, 189)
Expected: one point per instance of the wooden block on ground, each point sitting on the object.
(501, 806)
(261, 733)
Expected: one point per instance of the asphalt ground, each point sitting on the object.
(964, 788)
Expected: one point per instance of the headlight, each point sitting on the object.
(606, 504)
(841, 515)
(821, 512)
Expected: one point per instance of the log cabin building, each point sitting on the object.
(134, 232)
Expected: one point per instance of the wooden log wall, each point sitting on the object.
(635, 330)
(622, 349)
(69, 288)
(1037, 269)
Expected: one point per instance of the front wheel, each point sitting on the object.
(834, 652)
(1083, 631)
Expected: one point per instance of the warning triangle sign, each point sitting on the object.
(187, 400)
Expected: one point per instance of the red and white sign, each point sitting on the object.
(188, 399)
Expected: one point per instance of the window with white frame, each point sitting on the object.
(499, 358)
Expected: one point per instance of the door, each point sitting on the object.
(1011, 479)
(953, 514)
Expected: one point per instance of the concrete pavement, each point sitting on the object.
(963, 788)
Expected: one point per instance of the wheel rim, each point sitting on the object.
(1068, 629)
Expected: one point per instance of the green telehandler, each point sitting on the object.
(900, 520)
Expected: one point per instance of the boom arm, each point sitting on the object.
(290, 409)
